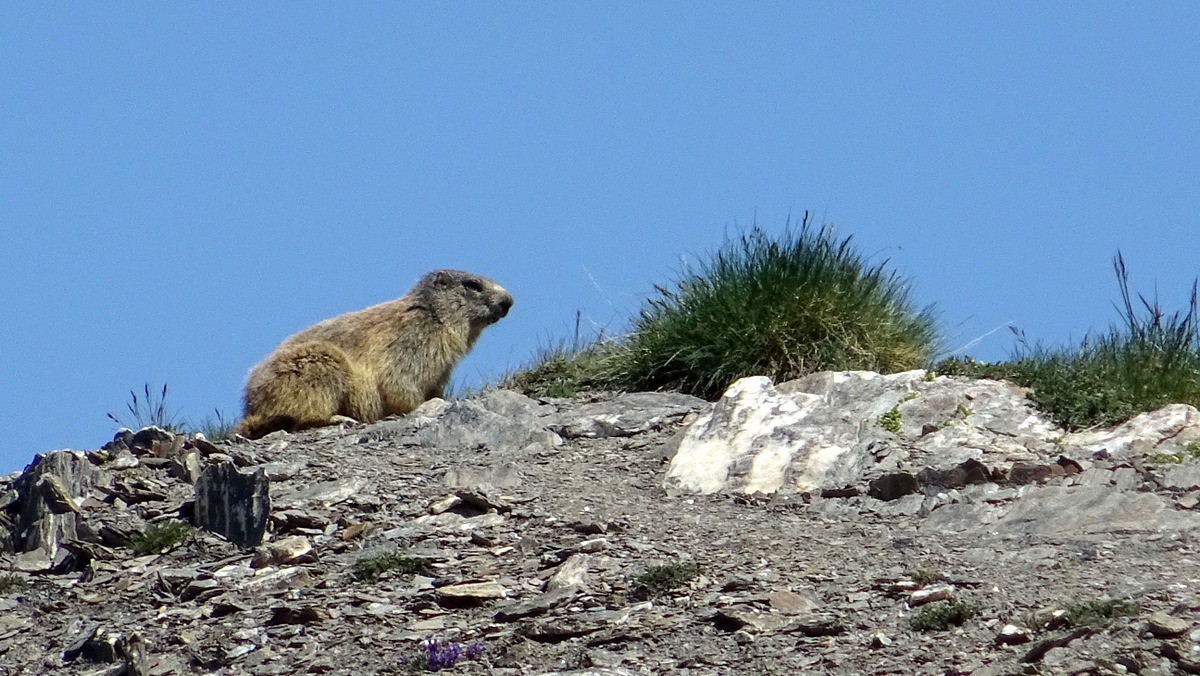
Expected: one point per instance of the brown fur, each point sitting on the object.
(384, 360)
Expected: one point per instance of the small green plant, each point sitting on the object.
(1165, 458)
(941, 615)
(11, 582)
(782, 307)
(658, 580)
(150, 411)
(372, 566)
(961, 412)
(926, 576)
(891, 421)
(1097, 612)
(161, 536)
(1190, 451)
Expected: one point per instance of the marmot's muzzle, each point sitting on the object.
(500, 309)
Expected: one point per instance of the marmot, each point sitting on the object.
(387, 359)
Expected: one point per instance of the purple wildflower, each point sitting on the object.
(474, 650)
(441, 655)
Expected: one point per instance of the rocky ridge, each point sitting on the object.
(816, 526)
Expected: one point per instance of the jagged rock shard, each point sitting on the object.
(233, 504)
(50, 486)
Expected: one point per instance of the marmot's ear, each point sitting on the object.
(441, 277)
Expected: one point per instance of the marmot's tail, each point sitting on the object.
(256, 426)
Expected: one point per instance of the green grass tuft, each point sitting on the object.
(372, 566)
(161, 536)
(927, 576)
(658, 580)
(557, 372)
(941, 615)
(214, 428)
(1098, 612)
(563, 368)
(150, 411)
(780, 307)
(1149, 360)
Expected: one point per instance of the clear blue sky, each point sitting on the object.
(182, 185)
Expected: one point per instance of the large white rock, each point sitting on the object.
(1142, 434)
(827, 431)
(742, 435)
(754, 437)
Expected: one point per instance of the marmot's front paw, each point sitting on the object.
(342, 420)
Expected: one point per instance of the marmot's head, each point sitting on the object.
(454, 295)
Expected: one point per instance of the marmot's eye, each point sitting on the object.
(474, 285)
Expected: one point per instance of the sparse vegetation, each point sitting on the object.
(215, 427)
(372, 566)
(11, 582)
(563, 368)
(1165, 458)
(658, 580)
(159, 537)
(961, 412)
(941, 615)
(150, 411)
(1097, 612)
(926, 576)
(891, 421)
(1148, 361)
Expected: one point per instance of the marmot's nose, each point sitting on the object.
(505, 303)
